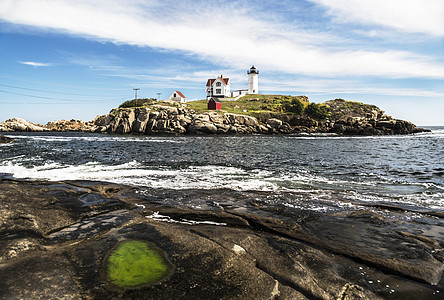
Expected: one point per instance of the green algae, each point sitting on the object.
(136, 263)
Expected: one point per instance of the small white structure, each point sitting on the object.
(253, 81)
(219, 87)
(178, 97)
(239, 93)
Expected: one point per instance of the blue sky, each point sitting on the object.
(64, 59)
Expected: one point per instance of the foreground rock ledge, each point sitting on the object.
(56, 235)
(5, 140)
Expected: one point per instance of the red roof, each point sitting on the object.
(180, 94)
(224, 80)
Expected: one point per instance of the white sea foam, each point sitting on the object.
(302, 182)
(163, 218)
(134, 173)
(102, 138)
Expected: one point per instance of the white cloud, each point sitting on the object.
(233, 37)
(420, 16)
(34, 64)
(337, 86)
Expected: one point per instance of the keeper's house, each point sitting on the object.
(219, 87)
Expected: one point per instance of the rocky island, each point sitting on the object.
(251, 114)
(89, 240)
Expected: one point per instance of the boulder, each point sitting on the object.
(19, 124)
(71, 125)
(5, 140)
(183, 120)
(122, 121)
(202, 127)
(141, 119)
(302, 121)
(274, 123)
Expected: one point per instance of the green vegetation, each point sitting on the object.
(264, 107)
(317, 111)
(340, 108)
(137, 102)
(295, 106)
(271, 106)
(254, 104)
(135, 263)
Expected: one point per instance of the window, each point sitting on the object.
(175, 95)
(218, 91)
(217, 83)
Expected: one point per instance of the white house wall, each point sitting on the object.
(225, 90)
(178, 98)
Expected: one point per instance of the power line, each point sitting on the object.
(37, 90)
(40, 103)
(58, 99)
(7, 76)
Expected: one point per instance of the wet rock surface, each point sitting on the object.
(55, 237)
(5, 140)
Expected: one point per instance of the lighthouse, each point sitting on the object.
(253, 82)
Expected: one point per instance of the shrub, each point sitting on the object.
(295, 106)
(317, 111)
(136, 102)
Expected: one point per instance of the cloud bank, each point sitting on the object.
(420, 16)
(236, 37)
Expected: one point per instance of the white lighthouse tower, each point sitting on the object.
(253, 81)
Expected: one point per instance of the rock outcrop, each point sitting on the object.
(56, 237)
(18, 124)
(347, 118)
(157, 119)
(71, 125)
(5, 140)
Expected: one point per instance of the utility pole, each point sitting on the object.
(158, 96)
(136, 93)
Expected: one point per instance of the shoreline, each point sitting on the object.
(346, 118)
(263, 252)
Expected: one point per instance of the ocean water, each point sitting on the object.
(322, 173)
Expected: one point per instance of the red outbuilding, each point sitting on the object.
(214, 103)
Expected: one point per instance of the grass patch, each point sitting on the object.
(250, 104)
(135, 263)
(200, 105)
